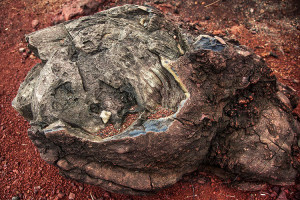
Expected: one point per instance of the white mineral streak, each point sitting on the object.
(105, 115)
(180, 49)
(167, 65)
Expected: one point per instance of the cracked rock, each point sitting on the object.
(221, 104)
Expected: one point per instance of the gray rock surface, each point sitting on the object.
(229, 110)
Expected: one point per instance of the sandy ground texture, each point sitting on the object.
(271, 28)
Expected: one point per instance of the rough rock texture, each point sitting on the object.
(230, 111)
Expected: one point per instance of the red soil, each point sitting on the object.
(263, 26)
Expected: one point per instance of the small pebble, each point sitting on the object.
(207, 18)
(21, 50)
(36, 189)
(32, 56)
(25, 55)
(71, 196)
(264, 55)
(35, 23)
(201, 181)
(60, 195)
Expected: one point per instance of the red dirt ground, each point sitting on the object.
(264, 26)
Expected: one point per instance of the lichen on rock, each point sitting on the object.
(225, 107)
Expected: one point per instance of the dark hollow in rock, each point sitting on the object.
(225, 107)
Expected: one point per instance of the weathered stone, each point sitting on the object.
(60, 195)
(71, 196)
(248, 186)
(35, 23)
(64, 164)
(229, 110)
(21, 50)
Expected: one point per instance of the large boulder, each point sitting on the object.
(124, 100)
